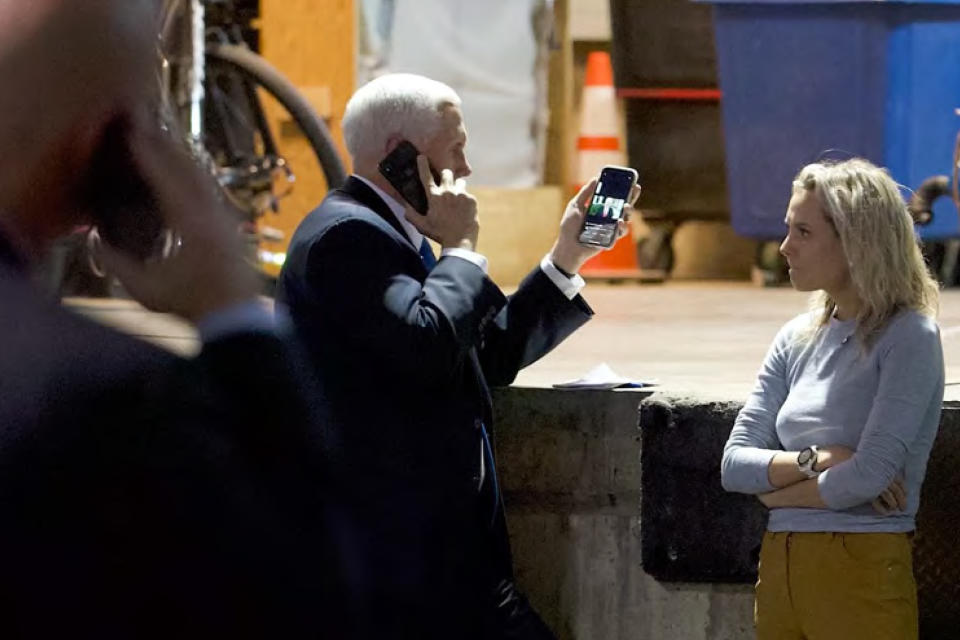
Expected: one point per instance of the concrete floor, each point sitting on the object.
(702, 338)
(695, 338)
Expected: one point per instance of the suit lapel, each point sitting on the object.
(356, 189)
(362, 193)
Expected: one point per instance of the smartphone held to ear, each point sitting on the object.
(120, 201)
(401, 171)
(606, 206)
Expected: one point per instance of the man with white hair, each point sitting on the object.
(407, 347)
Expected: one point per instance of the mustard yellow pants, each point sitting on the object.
(836, 586)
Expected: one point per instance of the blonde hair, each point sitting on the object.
(864, 205)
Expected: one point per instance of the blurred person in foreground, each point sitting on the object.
(407, 347)
(141, 494)
(836, 434)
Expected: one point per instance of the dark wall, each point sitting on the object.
(676, 146)
(663, 43)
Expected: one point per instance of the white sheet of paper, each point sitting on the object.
(603, 377)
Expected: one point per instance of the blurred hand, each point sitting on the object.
(893, 498)
(206, 272)
(567, 253)
(451, 218)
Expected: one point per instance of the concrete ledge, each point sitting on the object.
(578, 472)
(572, 450)
(570, 469)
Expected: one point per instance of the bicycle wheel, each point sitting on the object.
(270, 151)
(258, 71)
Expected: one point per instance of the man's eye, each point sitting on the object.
(804, 233)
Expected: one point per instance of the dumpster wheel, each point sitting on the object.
(769, 267)
(655, 252)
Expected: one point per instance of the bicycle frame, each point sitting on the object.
(235, 111)
(185, 89)
(196, 75)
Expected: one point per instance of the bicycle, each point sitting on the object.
(216, 98)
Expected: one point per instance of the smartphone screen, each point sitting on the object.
(400, 169)
(606, 206)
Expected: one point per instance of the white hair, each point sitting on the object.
(402, 104)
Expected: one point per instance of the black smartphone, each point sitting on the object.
(606, 206)
(120, 201)
(400, 170)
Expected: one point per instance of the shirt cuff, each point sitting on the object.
(240, 318)
(469, 256)
(570, 287)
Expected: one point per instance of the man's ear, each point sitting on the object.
(392, 143)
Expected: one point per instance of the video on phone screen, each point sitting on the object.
(606, 208)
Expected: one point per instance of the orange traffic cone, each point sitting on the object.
(599, 141)
(597, 146)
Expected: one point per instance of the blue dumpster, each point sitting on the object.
(807, 80)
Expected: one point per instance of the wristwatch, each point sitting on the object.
(806, 460)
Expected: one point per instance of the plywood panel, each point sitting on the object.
(517, 228)
(313, 43)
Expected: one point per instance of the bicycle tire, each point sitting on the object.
(261, 72)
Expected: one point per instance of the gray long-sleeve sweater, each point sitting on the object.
(885, 404)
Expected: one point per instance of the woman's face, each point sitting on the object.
(812, 247)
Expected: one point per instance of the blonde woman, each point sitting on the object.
(836, 434)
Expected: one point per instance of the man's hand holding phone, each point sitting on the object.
(451, 218)
(206, 271)
(568, 253)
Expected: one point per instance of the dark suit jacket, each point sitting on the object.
(407, 359)
(146, 495)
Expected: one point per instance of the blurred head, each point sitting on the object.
(67, 69)
(405, 106)
(849, 232)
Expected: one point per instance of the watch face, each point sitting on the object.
(805, 456)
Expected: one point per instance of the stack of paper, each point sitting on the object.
(603, 377)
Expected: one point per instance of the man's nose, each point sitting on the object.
(463, 170)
